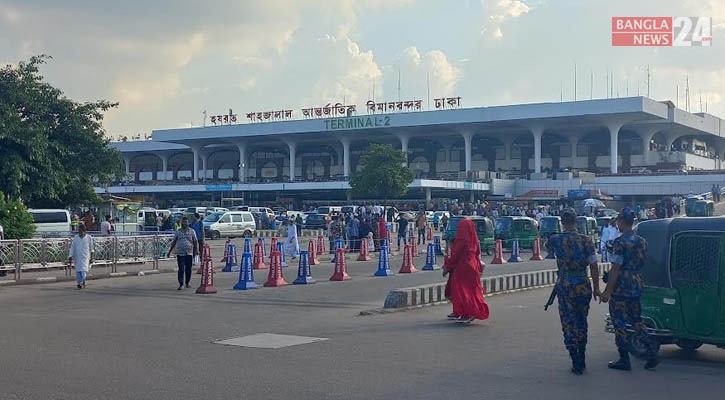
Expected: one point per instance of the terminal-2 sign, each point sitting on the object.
(371, 121)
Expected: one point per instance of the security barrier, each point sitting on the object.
(26, 255)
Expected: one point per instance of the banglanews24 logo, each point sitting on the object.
(661, 31)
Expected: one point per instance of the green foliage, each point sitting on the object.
(53, 149)
(382, 174)
(17, 222)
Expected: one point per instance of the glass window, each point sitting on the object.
(213, 217)
(247, 218)
(225, 219)
(236, 217)
(50, 217)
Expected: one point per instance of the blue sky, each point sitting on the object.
(166, 61)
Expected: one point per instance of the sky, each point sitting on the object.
(166, 61)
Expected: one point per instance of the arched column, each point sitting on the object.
(613, 127)
(242, 147)
(345, 141)
(292, 156)
(195, 171)
(538, 132)
(204, 161)
(467, 142)
(646, 134)
(404, 140)
(127, 162)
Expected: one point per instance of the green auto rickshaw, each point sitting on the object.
(702, 208)
(690, 204)
(548, 227)
(683, 302)
(588, 226)
(525, 229)
(484, 230)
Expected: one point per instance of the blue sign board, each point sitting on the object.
(218, 188)
(578, 193)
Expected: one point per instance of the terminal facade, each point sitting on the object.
(634, 147)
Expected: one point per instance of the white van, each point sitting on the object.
(146, 217)
(264, 210)
(51, 220)
(229, 224)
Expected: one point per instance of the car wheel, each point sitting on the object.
(215, 235)
(247, 234)
(688, 345)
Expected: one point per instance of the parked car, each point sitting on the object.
(229, 224)
(51, 220)
(315, 221)
(348, 209)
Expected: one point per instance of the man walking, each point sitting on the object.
(624, 291)
(81, 249)
(186, 246)
(198, 228)
(420, 223)
(574, 252)
(402, 229)
(106, 226)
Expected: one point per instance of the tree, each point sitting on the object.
(53, 148)
(383, 173)
(17, 222)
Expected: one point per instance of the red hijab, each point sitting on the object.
(466, 248)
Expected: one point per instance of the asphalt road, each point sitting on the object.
(140, 338)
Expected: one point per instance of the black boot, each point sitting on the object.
(623, 363)
(576, 365)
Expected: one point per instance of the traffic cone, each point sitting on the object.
(340, 273)
(498, 253)
(280, 249)
(230, 255)
(272, 249)
(205, 253)
(438, 248)
(430, 234)
(247, 246)
(313, 254)
(407, 266)
(264, 247)
(275, 277)
(304, 274)
(246, 274)
(430, 259)
(207, 275)
(364, 255)
(371, 245)
(258, 260)
(383, 263)
(321, 245)
(536, 256)
(515, 252)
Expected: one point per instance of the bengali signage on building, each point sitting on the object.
(578, 193)
(541, 194)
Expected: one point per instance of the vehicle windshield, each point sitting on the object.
(581, 226)
(550, 224)
(323, 210)
(348, 209)
(213, 217)
(315, 218)
(503, 224)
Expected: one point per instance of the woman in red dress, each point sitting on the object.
(464, 265)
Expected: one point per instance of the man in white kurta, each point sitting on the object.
(291, 245)
(81, 251)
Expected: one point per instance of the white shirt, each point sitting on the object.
(105, 228)
(80, 250)
(2, 231)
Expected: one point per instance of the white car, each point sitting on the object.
(229, 224)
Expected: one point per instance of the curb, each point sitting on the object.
(53, 279)
(426, 295)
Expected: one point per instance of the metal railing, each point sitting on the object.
(26, 255)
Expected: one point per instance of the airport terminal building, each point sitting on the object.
(624, 147)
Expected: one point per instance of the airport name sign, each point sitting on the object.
(357, 122)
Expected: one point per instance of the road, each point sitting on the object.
(140, 338)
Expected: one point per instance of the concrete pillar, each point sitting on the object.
(646, 134)
(164, 164)
(195, 171)
(468, 139)
(428, 197)
(537, 132)
(508, 142)
(404, 140)
(204, 159)
(127, 162)
(242, 161)
(613, 128)
(345, 156)
(292, 156)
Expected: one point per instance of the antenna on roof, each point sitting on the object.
(700, 100)
(591, 86)
(427, 77)
(398, 83)
(561, 92)
(687, 92)
(574, 80)
(648, 80)
(204, 122)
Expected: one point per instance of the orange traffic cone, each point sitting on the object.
(498, 253)
(275, 277)
(537, 250)
(207, 276)
(407, 267)
(364, 255)
(340, 273)
(258, 259)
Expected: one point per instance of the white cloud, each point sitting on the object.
(433, 66)
(248, 84)
(500, 11)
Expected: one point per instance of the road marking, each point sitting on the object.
(269, 341)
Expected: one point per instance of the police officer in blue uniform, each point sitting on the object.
(624, 291)
(574, 252)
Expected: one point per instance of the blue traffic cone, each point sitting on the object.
(231, 258)
(515, 252)
(383, 263)
(247, 246)
(438, 248)
(430, 259)
(280, 248)
(246, 274)
(304, 274)
(264, 247)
